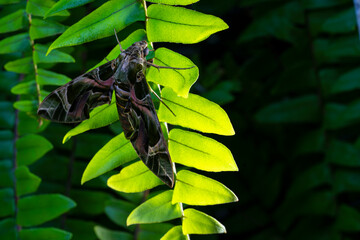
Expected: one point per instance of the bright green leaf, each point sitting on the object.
(26, 182)
(196, 222)
(45, 77)
(155, 209)
(134, 178)
(194, 150)
(106, 234)
(195, 189)
(194, 112)
(22, 65)
(16, 43)
(54, 57)
(65, 4)
(174, 2)
(297, 110)
(115, 153)
(38, 209)
(44, 28)
(176, 24)
(13, 22)
(101, 23)
(44, 234)
(40, 7)
(179, 80)
(31, 147)
(175, 233)
(7, 202)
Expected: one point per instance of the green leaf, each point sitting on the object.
(13, 22)
(16, 43)
(346, 82)
(106, 234)
(195, 189)
(22, 65)
(346, 181)
(118, 211)
(101, 23)
(6, 143)
(6, 174)
(297, 110)
(178, 80)
(342, 22)
(115, 153)
(31, 147)
(44, 234)
(194, 150)
(26, 105)
(7, 115)
(45, 77)
(174, 2)
(55, 56)
(44, 28)
(24, 88)
(99, 117)
(155, 209)
(89, 202)
(26, 182)
(7, 202)
(134, 178)
(136, 36)
(65, 4)
(81, 229)
(176, 24)
(342, 153)
(175, 233)
(194, 112)
(8, 229)
(348, 219)
(196, 222)
(40, 7)
(153, 231)
(38, 209)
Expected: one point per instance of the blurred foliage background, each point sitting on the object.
(288, 74)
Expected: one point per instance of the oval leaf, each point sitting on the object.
(194, 112)
(65, 4)
(44, 234)
(44, 28)
(37, 209)
(106, 234)
(45, 77)
(174, 2)
(195, 189)
(196, 222)
(13, 22)
(116, 152)
(101, 23)
(134, 178)
(175, 233)
(31, 147)
(26, 182)
(22, 65)
(155, 209)
(54, 57)
(16, 43)
(179, 80)
(176, 24)
(194, 150)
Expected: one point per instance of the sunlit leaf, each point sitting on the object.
(175, 233)
(196, 222)
(195, 189)
(155, 209)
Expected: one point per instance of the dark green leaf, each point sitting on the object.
(40, 7)
(16, 43)
(13, 22)
(106, 234)
(342, 153)
(65, 4)
(118, 211)
(302, 109)
(44, 234)
(8, 229)
(7, 115)
(31, 147)
(6, 175)
(7, 202)
(26, 182)
(348, 219)
(44, 28)
(37, 209)
(342, 22)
